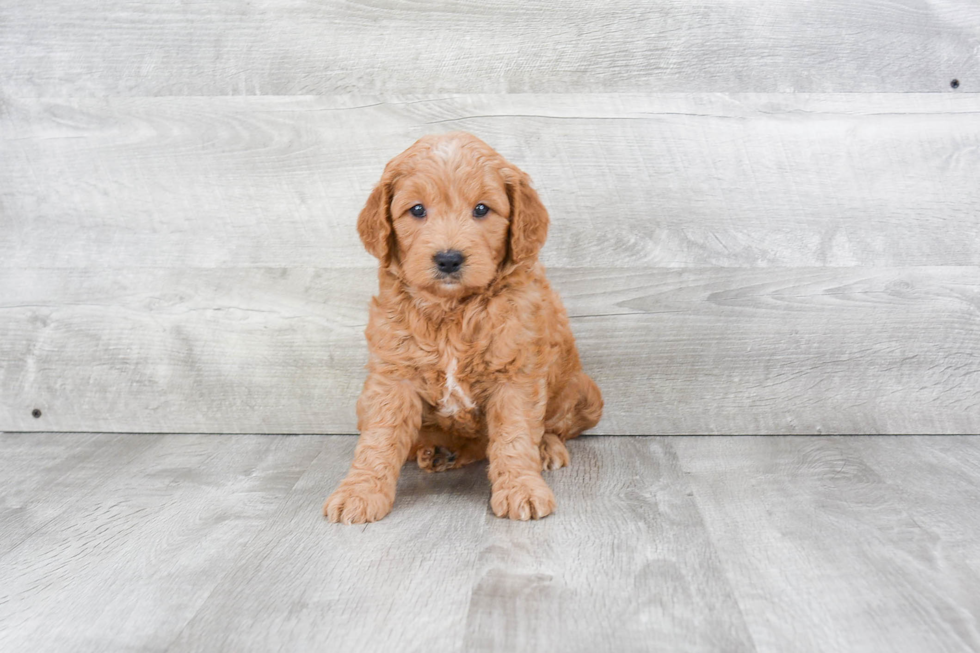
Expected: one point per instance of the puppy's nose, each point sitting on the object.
(449, 261)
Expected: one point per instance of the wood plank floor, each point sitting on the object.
(114, 542)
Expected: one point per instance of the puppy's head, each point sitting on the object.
(450, 212)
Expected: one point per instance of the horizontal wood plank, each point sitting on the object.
(286, 47)
(833, 350)
(630, 180)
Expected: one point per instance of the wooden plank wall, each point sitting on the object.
(766, 216)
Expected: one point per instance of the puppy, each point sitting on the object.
(471, 354)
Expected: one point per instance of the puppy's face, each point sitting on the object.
(449, 212)
(450, 215)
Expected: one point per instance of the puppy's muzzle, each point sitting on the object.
(449, 262)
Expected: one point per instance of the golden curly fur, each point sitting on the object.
(470, 357)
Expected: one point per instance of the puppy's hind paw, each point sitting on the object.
(554, 454)
(436, 459)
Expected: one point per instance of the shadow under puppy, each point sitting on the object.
(471, 354)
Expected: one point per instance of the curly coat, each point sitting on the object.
(465, 363)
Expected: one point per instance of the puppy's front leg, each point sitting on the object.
(389, 412)
(515, 419)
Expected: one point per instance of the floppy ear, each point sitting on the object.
(528, 218)
(374, 222)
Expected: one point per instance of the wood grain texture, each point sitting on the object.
(287, 47)
(454, 577)
(795, 517)
(210, 543)
(912, 471)
(630, 180)
(134, 554)
(826, 350)
(41, 474)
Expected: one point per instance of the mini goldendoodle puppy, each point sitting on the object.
(471, 354)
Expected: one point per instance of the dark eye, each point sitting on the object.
(418, 211)
(480, 210)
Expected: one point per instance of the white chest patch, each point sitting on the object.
(454, 397)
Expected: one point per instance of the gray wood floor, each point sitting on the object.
(216, 543)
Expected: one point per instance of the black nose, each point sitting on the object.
(449, 261)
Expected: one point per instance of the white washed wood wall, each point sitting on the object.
(766, 214)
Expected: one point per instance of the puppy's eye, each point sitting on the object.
(418, 211)
(480, 210)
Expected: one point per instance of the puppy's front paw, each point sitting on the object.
(527, 497)
(554, 454)
(357, 503)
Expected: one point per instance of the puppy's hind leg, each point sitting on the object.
(554, 454)
(576, 409)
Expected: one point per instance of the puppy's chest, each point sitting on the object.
(453, 388)
(453, 377)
